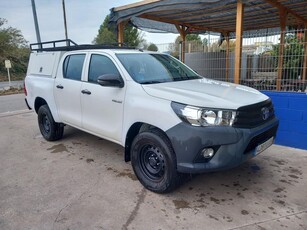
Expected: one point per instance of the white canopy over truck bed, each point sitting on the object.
(44, 64)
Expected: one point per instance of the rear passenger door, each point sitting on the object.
(102, 107)
(67, 89)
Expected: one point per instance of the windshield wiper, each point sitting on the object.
(151, 82)
(184, 78)
(196, 77)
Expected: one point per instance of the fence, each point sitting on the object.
(260, 70)
(260, 59)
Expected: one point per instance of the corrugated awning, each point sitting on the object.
(209, 15)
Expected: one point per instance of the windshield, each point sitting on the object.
(146, 68)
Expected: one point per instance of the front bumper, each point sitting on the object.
(233, 145)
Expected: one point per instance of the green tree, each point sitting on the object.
(189, 38)
(223, 46)
(152, 47)
(13, 47)
(205, 41)
(293, 56)
(107, 34)
(193, 39)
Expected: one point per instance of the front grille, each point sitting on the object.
(261, 138)
(252, 115)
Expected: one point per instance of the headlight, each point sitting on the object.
(204, 116)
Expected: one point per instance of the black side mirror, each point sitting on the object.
(111, 80)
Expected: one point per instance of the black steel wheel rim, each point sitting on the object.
(45, 124)
(152, 162)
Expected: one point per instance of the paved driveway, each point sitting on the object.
(82, 182)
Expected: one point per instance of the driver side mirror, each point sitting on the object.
(111, 80)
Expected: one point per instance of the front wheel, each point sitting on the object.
(49, 129)
(154, 162)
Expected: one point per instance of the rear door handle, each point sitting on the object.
(60, 87)
(85, 91)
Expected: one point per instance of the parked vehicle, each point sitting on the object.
(170, 120)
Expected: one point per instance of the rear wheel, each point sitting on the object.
(153, 161)
(49, 129)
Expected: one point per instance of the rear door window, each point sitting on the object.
(73, 66)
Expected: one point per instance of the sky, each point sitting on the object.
(83, 19)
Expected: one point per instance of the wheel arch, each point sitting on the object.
(134, 130)
(50, 130)
(39, 101)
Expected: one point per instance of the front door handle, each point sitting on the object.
(60, 87)
(85, 91)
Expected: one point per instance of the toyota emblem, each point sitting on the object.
(265, 113)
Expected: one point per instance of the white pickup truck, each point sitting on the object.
(170, 120)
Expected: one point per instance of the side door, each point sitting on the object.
(67, 89)
(102, 107)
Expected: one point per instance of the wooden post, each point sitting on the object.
(304, 77)
(183, 36)
(227, 56)
(183, 33)
(283, 20)
(238, 50)
(120, 33)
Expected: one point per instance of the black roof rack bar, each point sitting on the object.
(69, 45)
(52, 44)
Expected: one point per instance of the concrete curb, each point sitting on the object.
(4, 86)
(14, 113)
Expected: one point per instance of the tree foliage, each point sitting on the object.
(190, 38)
(293, 56)
(152, 47)
(193, 39)
(13, 47)
(107, 34)
(216, 47)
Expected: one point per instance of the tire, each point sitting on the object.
(154, 162)
(49, 129)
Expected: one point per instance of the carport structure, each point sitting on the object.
(230, 18)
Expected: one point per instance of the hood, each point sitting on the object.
(206, 93)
